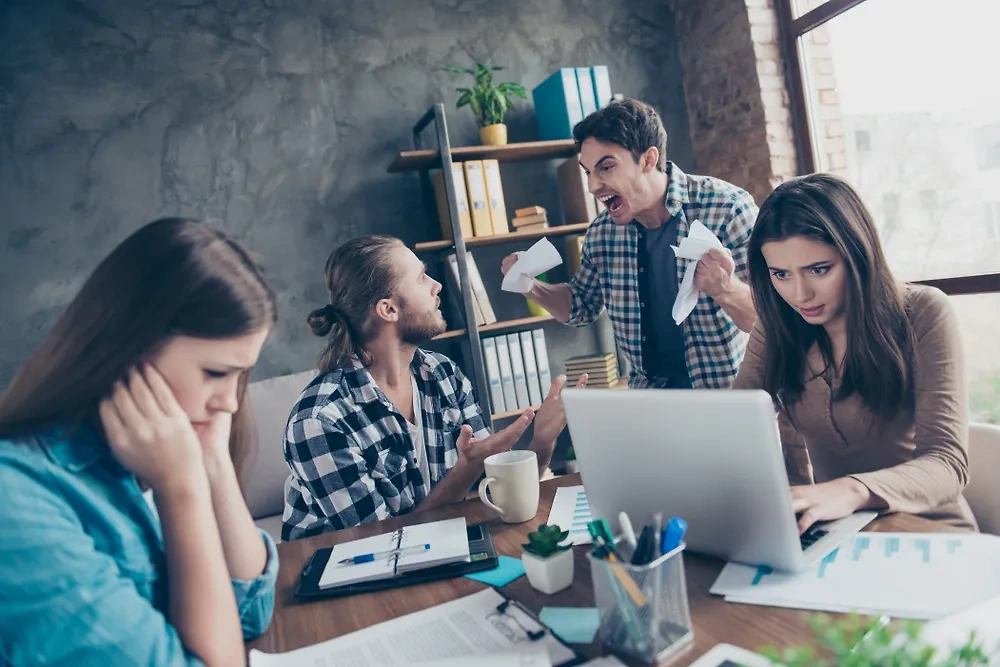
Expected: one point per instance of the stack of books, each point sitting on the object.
(602, 370)
(531, 217)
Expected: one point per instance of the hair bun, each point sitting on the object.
(322, 319)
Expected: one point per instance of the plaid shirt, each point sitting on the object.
(350, 450)
(607, 278)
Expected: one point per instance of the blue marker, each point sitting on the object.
(368, 558)
(673, 534)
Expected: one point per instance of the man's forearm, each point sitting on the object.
(452, 489)
(738, 304)
(543, 451)
(557, 299)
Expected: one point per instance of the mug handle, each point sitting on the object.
(482, 494)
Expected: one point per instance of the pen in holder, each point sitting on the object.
(648, 632)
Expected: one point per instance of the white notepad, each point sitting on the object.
(400, 551)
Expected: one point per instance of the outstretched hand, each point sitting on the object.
(551, 418)
(473, 452)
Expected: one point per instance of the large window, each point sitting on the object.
(899, 98)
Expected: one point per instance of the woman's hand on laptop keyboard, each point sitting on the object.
(828, 501)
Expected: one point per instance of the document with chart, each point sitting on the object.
(571, 512)
(905, 575)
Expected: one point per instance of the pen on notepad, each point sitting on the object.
(368, 558)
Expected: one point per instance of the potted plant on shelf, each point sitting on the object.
(488, 100)
(548, 565)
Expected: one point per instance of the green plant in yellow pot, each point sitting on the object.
(488, 100)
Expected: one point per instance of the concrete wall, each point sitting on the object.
(277, 118)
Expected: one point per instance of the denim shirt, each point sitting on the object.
(83, 577)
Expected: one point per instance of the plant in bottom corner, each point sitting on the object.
(548, 565)
(854, 642)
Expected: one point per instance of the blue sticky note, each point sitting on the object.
(507, 571)
(574, 625)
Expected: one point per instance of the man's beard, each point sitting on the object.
(418, 328)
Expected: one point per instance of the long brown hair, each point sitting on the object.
(880, 348)
(358, 275)
(171, 277)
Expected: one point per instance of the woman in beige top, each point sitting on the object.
(867, 374)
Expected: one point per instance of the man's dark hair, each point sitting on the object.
(631, 124)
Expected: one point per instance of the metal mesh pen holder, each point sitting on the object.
(643, 608)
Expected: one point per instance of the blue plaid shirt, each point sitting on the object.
(607, 278)
(351, 453)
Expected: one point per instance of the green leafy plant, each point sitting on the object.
(488, 100)
(570, 453)
(854, 642)
(544, 542)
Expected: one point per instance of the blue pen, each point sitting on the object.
(673, 534)
(368, 558)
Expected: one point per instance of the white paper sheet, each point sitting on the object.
(571, 511)
(698, 241)
(539, 258)
(467, 628)
(904, 575)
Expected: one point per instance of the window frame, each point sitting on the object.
(790, 29)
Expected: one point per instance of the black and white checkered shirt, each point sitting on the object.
(350, 450)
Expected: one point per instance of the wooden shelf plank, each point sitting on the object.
(532, 150)
(622, 384)
(512, 413)
(513, 237)
(497, 326)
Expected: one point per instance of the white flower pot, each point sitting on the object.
(549, 575)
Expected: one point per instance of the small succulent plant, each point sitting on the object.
(544, 542)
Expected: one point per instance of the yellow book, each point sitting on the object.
(479, 206)
(463, 202)
(494, 195)
(530, 210)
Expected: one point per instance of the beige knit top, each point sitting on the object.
(917, 463)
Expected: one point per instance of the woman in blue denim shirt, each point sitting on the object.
(139, 386)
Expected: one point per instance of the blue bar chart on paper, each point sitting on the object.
(906, 575)
(571, 512)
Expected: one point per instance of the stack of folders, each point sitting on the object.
(601, 370)
(478, 199)
(517, 368)
(568, 96)
(480, 300)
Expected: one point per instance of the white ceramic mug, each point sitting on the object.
(512, 479)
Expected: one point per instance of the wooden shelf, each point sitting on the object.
(622, 384)
(512, 237)
(497, 326)
(512, 413)
(532, 150)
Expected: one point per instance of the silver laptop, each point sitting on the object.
(712, 457)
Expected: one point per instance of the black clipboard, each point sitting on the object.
(539, 632)
(484, 557)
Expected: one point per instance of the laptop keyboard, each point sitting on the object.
(811, 536)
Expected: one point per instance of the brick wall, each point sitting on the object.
(737, 98)
(827, 119)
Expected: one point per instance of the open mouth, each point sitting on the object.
(812, 312)
(614, 203)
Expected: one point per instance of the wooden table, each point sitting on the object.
(297, 624)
